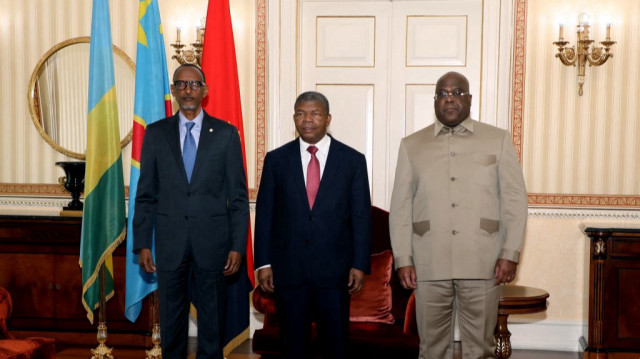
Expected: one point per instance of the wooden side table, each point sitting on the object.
(516, 299)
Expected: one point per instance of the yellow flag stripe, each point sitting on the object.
(140, 121)
(104, 147)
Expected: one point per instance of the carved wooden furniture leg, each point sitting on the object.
(515, 299)
(503, 337)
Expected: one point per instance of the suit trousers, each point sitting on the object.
(299, 305)
(477, 303)
(174, 289)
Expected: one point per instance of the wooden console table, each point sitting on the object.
(613, 330)
(39, 267)
(516, 299)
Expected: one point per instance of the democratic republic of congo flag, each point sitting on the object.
(223, 101)
(152, 103)
(103, 221)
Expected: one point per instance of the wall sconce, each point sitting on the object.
(192, 55)
(596, 57)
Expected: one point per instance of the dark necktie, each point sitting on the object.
(189, 151)
(313, 176)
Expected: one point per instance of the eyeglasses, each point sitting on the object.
(195, 85)
(444, 94)
(315, 115)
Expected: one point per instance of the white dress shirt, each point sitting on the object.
(195, 131)
(321, 155)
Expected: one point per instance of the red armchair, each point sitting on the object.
(378, 327)
(29, 348)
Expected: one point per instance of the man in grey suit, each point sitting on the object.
(457, 220)
(193, 190)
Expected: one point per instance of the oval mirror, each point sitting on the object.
(59, 91)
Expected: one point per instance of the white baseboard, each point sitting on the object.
(256, 321)
(546, 335)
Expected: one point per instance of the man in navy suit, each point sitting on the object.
(312, 241)
(192, 189)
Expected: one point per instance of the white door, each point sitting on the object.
(378, 61)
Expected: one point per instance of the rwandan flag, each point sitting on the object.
(103, 221)
(223, 101)
(152, 103)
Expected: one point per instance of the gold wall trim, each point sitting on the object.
(576, 200)
(548, 199)
(38, 189)
(261, 93)
(518, 74)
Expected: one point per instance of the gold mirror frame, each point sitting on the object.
(34, 105)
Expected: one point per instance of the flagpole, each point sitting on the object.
(102, 351)
(156, 351)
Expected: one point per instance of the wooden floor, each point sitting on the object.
(244, 352)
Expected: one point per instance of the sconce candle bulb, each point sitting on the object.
(178, 34)
(199, 34)
(561, 37)
(608, 32)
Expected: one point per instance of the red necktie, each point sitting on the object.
(313, 176)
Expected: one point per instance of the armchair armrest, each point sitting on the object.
(265, 303)
(5, 312)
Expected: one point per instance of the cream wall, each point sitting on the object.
(29, 28)
(582, 144)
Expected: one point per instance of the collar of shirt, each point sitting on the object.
(322, 154)
(464, 126)
(195, 131)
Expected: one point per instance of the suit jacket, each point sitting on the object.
(211, 212)
(318, 245)
(459, 202)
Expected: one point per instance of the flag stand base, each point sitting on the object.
(156, 351)
(102, 351)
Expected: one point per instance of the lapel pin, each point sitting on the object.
(211, 130)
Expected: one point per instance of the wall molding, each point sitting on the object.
(34, 202)
(564, 213)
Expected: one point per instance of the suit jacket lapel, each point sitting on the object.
(173, 139)
(295, 163)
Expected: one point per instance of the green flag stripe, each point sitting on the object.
(104, 222)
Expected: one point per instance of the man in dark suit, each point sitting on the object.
(192, 189)
(312, 244)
